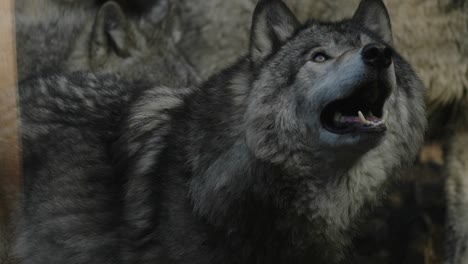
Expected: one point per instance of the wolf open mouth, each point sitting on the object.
(362, 111)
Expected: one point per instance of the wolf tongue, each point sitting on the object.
(350, 119)
(373, 118)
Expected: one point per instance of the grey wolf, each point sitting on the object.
(217, 26)
(272, 160)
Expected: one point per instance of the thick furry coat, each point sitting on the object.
(239, 170)
(63, 36)
(421, 27)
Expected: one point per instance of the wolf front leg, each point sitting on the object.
(457, 199)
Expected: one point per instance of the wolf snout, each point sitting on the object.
(377, 56)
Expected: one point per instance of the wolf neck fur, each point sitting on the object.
(237, 178)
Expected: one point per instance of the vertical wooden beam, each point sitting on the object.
(9, 150)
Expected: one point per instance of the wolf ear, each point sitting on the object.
(111, 34)
(373, 15)
(273, 24)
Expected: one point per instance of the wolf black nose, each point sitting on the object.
(377, 56)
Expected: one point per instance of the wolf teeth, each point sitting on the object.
(337, 117)
(385, 115)
(384, 118)
(363, 119)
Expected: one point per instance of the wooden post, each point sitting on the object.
(9, 150)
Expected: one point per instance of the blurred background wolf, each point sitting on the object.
(200, 37)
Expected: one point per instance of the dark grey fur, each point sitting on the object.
(70, 206)
(58, 36)
(239, 170)
(45, 32)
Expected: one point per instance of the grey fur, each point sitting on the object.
(133, 45)
(239, 170)
(67, 36)
(45, 31)
(69, 201)
(55, 36)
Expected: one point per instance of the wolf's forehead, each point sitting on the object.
(333, 35)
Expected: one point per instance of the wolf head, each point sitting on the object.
(330, 107)
(338, 89)
(131, 38)
(334, 104)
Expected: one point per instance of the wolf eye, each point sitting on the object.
(320, 57)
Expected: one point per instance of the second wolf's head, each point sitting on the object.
(136, 44)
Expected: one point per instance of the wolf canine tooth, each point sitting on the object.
(385, 115)
(362, 118)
